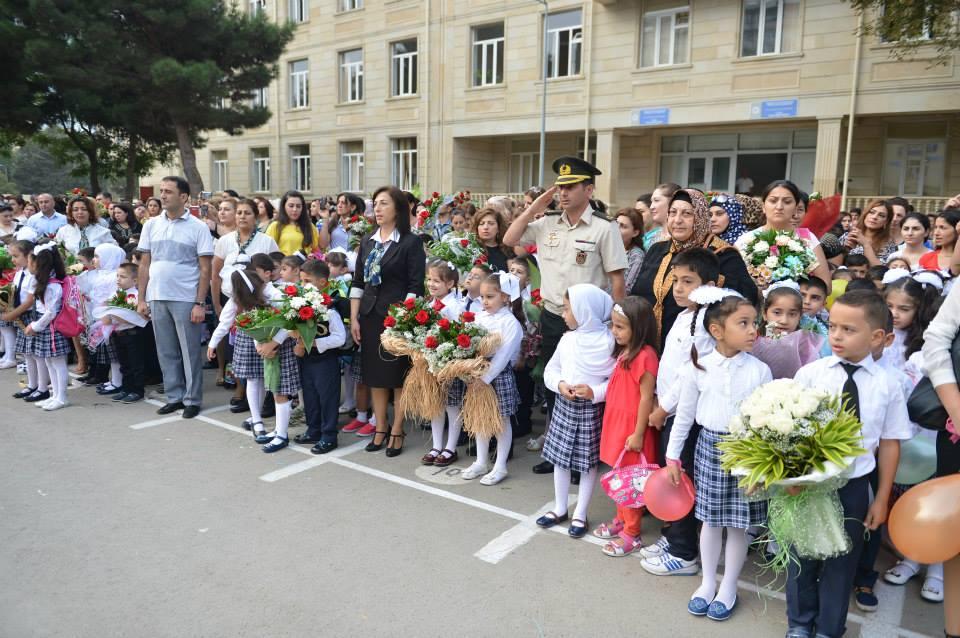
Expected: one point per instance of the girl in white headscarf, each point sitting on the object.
(578, 372)
(98, 286)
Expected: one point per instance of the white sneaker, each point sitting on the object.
(346, 409)
(7, 364)
(932, 590)
(655, 550)
(535, 444)
(668, 565)
(42, 404)
(474, 471)
(493, 477)
(900, 573)
(55, 404)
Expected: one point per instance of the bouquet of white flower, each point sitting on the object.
(788, 436)
(775, 255)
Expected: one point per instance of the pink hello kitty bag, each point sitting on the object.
(625, 485)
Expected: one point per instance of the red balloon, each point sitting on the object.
(667, 501)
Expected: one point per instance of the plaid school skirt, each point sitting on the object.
(24, 343)
(289, 369)
(104, 354)
(720, 503)
(573, 438)
(48, 344)
(504, 385)
(247, 364)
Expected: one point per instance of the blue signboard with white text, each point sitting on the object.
(650, 117)
(773, 109)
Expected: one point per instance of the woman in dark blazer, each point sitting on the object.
(390, 268)
(688, 224)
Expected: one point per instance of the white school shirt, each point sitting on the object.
(883, 408)
(903, 379)
(712, 396)
(452, 306)
(472, 304)
(676, 357)
(230, 311)
(506, 325)
(48, 307)
(27, 282)
(563, 367)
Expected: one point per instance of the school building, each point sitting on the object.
(446, 94)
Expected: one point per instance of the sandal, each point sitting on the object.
(627, 545)
(535, 444)
(430, 457)
(395, 451)
(932, 590)
(446, 458)
(900, 573)
(609, 530)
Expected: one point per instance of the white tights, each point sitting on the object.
(711, 541)
(255, 395)
(561, 492)
(453, 434)
(503, 446)
(116, 377)
(283, 417)
(37, 375)
(9, 336)
(57, 369)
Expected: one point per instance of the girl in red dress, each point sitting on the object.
(629, 403)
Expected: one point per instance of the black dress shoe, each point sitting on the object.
(170, 408)
(108, 389)
(323, 447)
(191, 411)
(303, 439)
(23, 394)
(235, 400)
(275, 445)
(543, 468)
(241, 407)
(550, 519)
(37, 396)
(578, 528)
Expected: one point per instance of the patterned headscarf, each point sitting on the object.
(753, 216)
(701, 221)
(735, 213)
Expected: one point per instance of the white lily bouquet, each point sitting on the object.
(790, 436)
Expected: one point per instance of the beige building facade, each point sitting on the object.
(716, 94)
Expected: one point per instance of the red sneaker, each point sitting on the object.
(368, 429)
(353, 426)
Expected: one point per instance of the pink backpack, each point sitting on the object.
(69, 321)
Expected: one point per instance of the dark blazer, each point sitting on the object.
(402, 271)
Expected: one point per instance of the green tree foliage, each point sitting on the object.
(35, 169)
(911, 24)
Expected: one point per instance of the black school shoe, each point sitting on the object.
(132, 397)
(170, 408)
(543, 468)
(303, 439)
(23, 394)
(191, 411)
(323, 448)
(240, 406)
(37, 396)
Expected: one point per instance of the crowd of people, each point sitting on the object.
(638, 331)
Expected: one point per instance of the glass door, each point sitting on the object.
(712, 172)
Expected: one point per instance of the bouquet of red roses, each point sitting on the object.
(405, 330)
(262, 324)
(359, 227)
(305, 310)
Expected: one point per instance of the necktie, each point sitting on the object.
(84, 242)
(850, 388)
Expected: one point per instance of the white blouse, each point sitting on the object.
(230, 311)
(676, 357)
(452, 306)
(69, 236)
(506, 325)
(227, 248)
(938, 339)
(712, 396)
(48, 307)
(563, 367)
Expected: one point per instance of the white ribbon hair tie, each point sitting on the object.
(894, 274)
(509, 284)
(786, 283)
(709, 295)
(924, 277)
(617, 308)
(39, 248)
(246, 279)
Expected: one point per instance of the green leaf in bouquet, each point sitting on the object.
(534, 274)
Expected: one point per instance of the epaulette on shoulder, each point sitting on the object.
(553, 213)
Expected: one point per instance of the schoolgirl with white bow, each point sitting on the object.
(711, 392)
(578, 372)
(501, 315)
(249, 292)
(21, 314)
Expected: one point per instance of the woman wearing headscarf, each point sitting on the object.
(688, 225)
(726, 218)
(97, 287)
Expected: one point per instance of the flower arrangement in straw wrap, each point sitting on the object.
(775, 255)
(359, 227)
(405, 329)
(787, 436)
(463, 252)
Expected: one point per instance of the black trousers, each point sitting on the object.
(682, 534)
(320, 377)
(129, 347)
(552, 328)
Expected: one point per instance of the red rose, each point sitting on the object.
(306, 313)
(436, 195)
(354, 219)
(468, 317)
(464, 242)
(327, 301)
(409, 303)
(482, 259)
(243, 322)
(431, 342)
(531, 249)
(290, 290)
(428, 203)
(535, 294)
(438, 305)
(389, 322)
(422, 317)
(463, 341)
(444, 324)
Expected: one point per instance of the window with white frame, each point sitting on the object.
(524, 170)
(351, 75)
(488, 55)
(255, 7)
(299, 84)
(403, 152)
(219, 171)
(892, 27)
(770, 27)
(564, 43)
(261, 170)
(299, 10)
(351, 167)
(259, 98)
(403, 72)
(350, 5)
(300, 167)
(666, 37)
(914, 168)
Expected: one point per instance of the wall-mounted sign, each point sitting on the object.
(650, 117)
(772, 109)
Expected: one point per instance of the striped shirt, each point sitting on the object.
(174, 246)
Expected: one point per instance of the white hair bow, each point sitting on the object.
(894, 274)
(786, 283)
(246, 279)
(929, 278)
(509, 284)
(39, 248)
(709, 295)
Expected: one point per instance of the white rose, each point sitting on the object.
(736, 425)
(298, 302)
(781, 423)
(783, 240)
(771, 262)
(761, 247)
(795, 246)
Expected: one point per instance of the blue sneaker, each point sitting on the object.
(718, 611)
(865, 598)
(698, 606)
(668, 565)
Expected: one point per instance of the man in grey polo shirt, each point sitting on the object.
(176, 251)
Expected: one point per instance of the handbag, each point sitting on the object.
(923, 405)
(625, 485)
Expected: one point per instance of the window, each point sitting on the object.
(564, 43)
(488, 55)
(219, 170)
(903, 22)
(404, 164)
(261, 170)
(770, 27)
(404, 68)
(351, 167)
(524, 170)
(259, 98)
(299, 10)
(255, 7)
(666, 37)
(914, 168)
(300, 167)
(591, 149)
(350, 5)
(299, 84)
(351, 75)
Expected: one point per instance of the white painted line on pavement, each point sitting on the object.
(155, 422)
(514, 538)
(303, 466)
